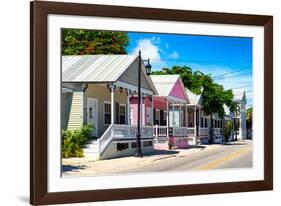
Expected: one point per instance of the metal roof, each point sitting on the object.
(226, 109)
(164, 83)
(239, 95)
(95, 68)
(193, 98)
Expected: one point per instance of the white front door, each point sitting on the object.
(92, 114)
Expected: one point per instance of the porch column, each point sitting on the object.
(186, 116)
(128, 107)
(167, 118)
(173, 122)
(194, 120)
(199, 122)
(180, 115)
(112, 103)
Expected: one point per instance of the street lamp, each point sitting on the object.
(148, 72)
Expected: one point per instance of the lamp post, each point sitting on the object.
(148, 71)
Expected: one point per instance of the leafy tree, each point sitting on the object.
(213, 98)
(79, 42)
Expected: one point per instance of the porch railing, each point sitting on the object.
(117, 131)
(190, 131)
(217, 130)
(160, 131)
(180, 131)
(204, 131)
(129, 131)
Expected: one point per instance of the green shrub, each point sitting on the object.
(227, 130)
(73, 141)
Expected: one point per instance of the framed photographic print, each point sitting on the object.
(131, 102)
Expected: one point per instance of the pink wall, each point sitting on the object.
(159, 103)
(177, 91)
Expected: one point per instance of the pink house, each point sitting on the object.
(167, 112)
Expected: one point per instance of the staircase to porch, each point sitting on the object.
(91, 149)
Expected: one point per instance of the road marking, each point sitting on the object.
(222, 160)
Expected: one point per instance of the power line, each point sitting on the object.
(238, 70)
(233, 76)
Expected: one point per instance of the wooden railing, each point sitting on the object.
(217, 130)
(204, 131)
(180, 131)
(160, 131)
(129, 131)
(117, 131)
(190, 131)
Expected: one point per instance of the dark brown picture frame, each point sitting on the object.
(38, 102)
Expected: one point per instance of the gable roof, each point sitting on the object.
(165, 84)
(99, 68)
(193, 98)
(94, 68)
(239, 95)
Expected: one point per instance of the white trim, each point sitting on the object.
(132, 87)
(106, 102)
(158, 110)
(97, 121)
(123, 105)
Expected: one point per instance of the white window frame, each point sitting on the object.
(157, 111)
(125, 106)
(104, 103)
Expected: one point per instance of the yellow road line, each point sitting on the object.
(222, 160)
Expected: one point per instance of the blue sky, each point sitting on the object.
(227, 59)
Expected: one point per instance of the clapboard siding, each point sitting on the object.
(76, 111)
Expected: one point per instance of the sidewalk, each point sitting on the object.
(88, 167)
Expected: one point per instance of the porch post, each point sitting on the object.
(194, 120)
(180, 115)
(173, 114)
(199, 121)
(128, 108)
(167, 119)
(112, 103)
(186, 116)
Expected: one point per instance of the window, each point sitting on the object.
(91, 113)
(202, 122)
(122, 146)
(165, 116)
(206, 122)
(122, 114)
(157, 116)
(107, 113)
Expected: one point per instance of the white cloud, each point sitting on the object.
(150, 49)
(174, 55)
